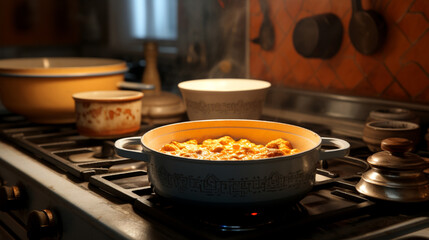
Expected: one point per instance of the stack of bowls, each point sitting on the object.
(391, 123)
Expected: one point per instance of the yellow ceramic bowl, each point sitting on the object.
(41, 89)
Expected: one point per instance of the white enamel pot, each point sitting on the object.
(277, 180)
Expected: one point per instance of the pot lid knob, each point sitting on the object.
(397, 155)
(397, 145)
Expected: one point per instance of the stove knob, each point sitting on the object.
(42, 225)
(10, 198)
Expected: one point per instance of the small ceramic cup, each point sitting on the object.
(108, 114)
(376, 131)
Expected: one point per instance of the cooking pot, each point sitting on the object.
(276, 180)
(318, 36)
(41, 89)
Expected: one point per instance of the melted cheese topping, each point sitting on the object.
(226, 148)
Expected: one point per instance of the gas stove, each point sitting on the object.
(57, 184)
(84, 189)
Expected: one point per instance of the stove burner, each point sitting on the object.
(250, 219)
(107, 151)
(342, 167)
(220, 219)
(104, 152)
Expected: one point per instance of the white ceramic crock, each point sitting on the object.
(224, 98)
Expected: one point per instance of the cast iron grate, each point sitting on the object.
(329, 200)
(62, 147)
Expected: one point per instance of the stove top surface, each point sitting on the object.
(332, 210)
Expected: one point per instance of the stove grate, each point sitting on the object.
(63, 148)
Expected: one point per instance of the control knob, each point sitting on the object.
(10, 197)
(42, 224)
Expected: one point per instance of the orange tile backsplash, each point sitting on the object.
(399, 70)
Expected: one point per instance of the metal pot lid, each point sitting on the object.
(61, 67)
(162, 104)
(396, 174)
(396, 155)
(405, 194)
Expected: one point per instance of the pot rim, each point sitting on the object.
(67, 67)
(391, 125)
(231, 162)
(107, 96)
(63, 75)
(189, 85)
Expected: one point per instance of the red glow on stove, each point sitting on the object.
(254, 213)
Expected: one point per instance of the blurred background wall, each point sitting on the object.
(216, 38)
(399, 70)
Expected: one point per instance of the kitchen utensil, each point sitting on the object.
(41, 89)
(396, 174)
(158, 107)
(374, 132)
(224, 98)
(108, 114)
(283, 179)
(266, 32)
(318, 36)
(367, 29)
(150, 73)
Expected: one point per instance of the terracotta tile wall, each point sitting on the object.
(398, 71)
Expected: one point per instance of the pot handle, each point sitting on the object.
(131, 147)
(135, 86)
(343, 148)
